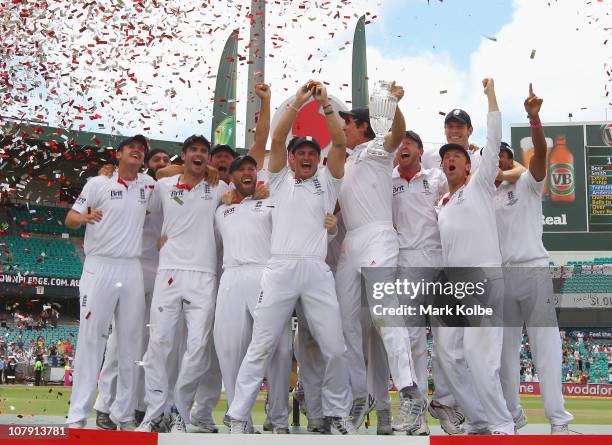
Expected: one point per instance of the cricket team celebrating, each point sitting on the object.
(200, 270)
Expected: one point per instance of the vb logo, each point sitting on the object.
(562, 179)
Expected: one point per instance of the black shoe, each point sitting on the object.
(138, 417)
(326, 427)
(104, 422)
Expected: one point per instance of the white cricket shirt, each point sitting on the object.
(414, 208)
(150, 235)
(468, 229)
(245, 230)
(518, 208)
(123, 205)
(299, 212)
(365, 196)
(475, 159)
(188, 223)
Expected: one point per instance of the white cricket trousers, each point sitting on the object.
(417, 265)
(471, 361)
(311, 367)
(239, 290)
(108, 287)
(285, 281)
(107, 382)
(209, 388)
(192, 295)
(528, 299)
(371, 246)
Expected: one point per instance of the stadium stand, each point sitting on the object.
(50, 334)
(585, 360)
(589, 276)
(43, 219)
(45, 257)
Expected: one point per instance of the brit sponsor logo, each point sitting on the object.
(229, 211)
(116, 194)
(398, 189)
(176, 194)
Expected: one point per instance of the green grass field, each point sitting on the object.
(53, 401)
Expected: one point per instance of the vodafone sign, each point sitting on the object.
(310, 121)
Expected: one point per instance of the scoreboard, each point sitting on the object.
(599, 186)
(577, 201)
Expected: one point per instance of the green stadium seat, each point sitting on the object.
(55, 258)
(43, 219)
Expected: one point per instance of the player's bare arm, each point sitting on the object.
(337, 153)
(398, 129)
(537, 165)
(331, 224)
(278, 151)
(511, 175)
(489, 90)
(74, 219)
(106, 170)
(212, 175)
(171, 170)
(262, 129)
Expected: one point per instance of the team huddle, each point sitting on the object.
(200, 270)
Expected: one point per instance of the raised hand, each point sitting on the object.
(319, 92)
(489, 90)
(263, 91)
(489, 86)
(397, 91)
(303, 94)
(533, 104)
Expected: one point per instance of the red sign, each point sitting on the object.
(310, 121)
(570, 389)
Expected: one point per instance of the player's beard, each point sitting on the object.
(151, 173)
(246, 191)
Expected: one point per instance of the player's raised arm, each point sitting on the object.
(337, 152)
(489, 166)
(394, 138)
(537, 165)
(278, 152)
(262, 129)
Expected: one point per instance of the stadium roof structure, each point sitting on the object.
(34, 132)
(34, 156)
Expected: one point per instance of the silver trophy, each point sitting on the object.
(382, 111)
